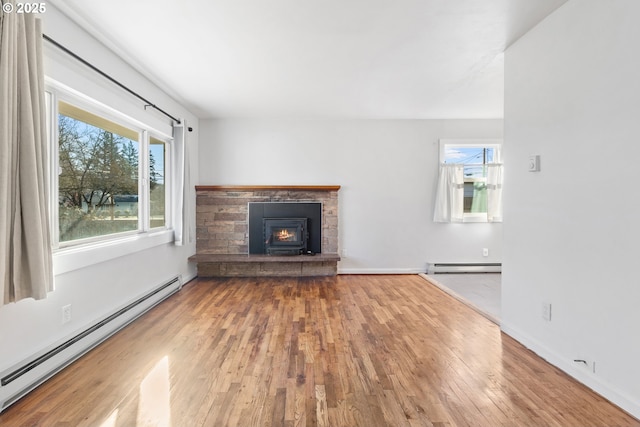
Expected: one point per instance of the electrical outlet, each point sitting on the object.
(546, 311)
(66, 313)
(587, 363)
(485, 251)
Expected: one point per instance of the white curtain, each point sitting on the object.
(494, 192)
(450, 194)
(25, 242)
(182, 184)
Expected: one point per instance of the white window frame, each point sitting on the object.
(472, 143)
(168, 175)
(80, 253)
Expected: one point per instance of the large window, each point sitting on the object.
(111, 175)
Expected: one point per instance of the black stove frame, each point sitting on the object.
(259, 212)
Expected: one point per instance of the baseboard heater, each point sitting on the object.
(435, 268)
(20, 380)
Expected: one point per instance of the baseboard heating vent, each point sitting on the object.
(435, 268)
(20, 380)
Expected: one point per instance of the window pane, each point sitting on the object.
(157, 187)
(98, 181)
(475, 197)
(474, 159)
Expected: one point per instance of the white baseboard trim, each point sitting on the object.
(567, 365)
(439, 267)
(380, 270)
(25, 376)
(189, 278)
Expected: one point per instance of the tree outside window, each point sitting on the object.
(99, 182)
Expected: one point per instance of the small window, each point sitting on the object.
(474, 155)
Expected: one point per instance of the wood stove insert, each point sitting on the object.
(285, 236)
(285, 228)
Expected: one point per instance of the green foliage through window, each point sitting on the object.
(101, 190)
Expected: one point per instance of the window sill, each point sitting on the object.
(74, 258)
(475, 218)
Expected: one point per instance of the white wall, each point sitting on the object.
(571, 230)
(387, 169)
(29, 326)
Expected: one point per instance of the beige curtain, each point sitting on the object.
(181, 185)
(25, 247)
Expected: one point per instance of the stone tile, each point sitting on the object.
(237, 249)
(238, 270)
(224, 216)
(220, 227)
(230, 236)
(209, 270)
(280, 269)
(241, 227)
(319, 269)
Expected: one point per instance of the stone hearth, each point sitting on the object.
(222, 247)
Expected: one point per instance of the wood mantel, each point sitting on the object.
(267, 187)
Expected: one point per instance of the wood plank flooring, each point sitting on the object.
(335, 351)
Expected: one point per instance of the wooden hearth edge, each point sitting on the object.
(267, 187)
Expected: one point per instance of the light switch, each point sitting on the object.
(534, 163)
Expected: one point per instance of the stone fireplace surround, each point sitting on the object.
(222, 233)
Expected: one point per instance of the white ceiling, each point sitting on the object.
(319, 58)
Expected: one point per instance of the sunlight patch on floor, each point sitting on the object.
(154, 408)
(111, 421)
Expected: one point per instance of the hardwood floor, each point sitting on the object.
(338, 351)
